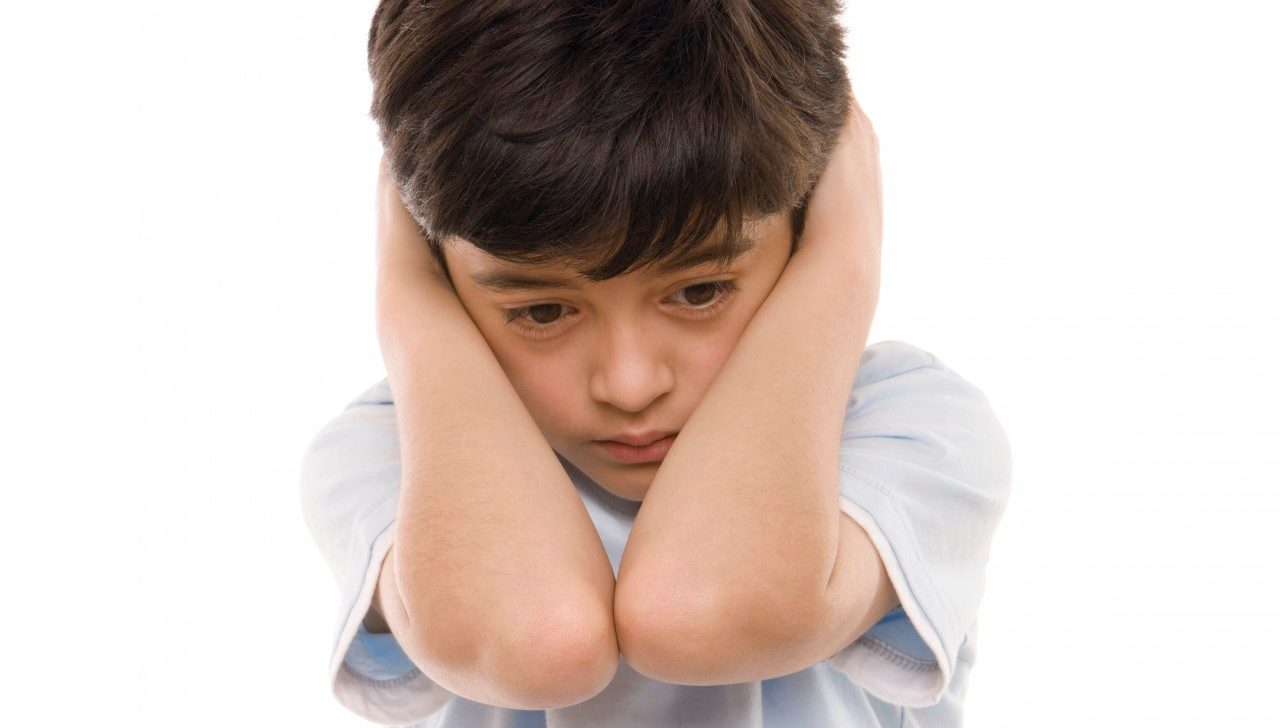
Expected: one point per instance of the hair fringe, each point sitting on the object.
(608, 135)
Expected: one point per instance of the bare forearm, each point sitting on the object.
(742, 516)
(494, 551)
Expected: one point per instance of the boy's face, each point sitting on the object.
(635, 353)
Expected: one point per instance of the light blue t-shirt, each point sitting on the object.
(925, 469)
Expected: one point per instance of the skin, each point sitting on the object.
(632, 353)
(740, 565)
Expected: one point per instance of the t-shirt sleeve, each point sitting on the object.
(925, 469)
(350, 486)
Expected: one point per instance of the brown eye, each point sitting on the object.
(702, 300)
(538, 321)
(549, 312)
(707, 293)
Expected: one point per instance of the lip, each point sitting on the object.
(632, 454)
(640, 439)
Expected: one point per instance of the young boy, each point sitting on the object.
(654, 223)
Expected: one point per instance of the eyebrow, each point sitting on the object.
(502, 281)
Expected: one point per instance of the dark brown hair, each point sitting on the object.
(605, 135)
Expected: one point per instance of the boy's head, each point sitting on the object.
(604, 142)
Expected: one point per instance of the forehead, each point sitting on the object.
(499, 276)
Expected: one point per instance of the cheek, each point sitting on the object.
(701, 358)
(549, 389)
(708, 357)
(533, 377)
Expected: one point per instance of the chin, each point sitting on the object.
(633, 494)
(628, 482)
(631, 485)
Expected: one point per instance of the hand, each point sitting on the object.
(410, 282)
(402, 251)
(845, 213)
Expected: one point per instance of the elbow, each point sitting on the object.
(704, 636)
(558, 662)
(543, 660)
(664, 633)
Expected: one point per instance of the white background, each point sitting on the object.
(1081, 205)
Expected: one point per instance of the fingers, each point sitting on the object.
(400, 248)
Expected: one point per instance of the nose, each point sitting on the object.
(631, 369)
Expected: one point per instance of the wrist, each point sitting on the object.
(411, 308)
(852, 256)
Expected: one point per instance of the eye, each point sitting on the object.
(544, 315)
(703, 301)
(711, 296)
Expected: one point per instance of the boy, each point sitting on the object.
(600, 223)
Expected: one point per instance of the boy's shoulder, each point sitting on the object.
(889, 358)
(378, 394)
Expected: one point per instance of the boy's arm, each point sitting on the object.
(499, 587)
(740, 565)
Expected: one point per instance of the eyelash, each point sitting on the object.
(725, 291)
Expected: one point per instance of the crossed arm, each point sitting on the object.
(740, 565)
